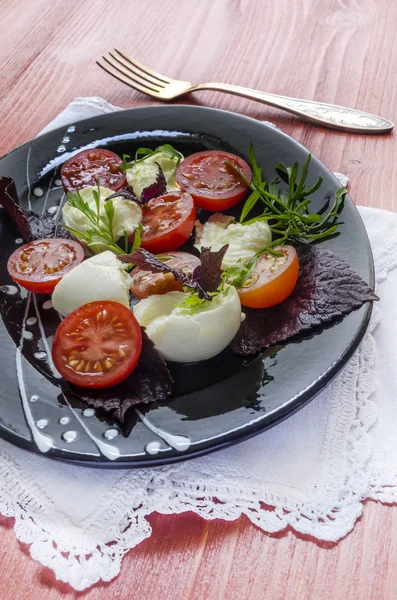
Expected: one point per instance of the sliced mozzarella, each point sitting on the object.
(127, 214)
(183, 337)
(144, 172)
(244, 240)
(100, 277)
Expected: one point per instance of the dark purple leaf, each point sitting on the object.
(149, 382)
(158, 188)
(9, 201)
(327, 289)
(209, 274)
(149, 262)
(205, 279)
(126, 192)
(29, 224)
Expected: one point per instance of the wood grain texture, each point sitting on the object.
(342, 52)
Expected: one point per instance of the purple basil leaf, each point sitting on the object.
(209, 274)
(9, 201)
(327, 289)
(149, 382)
(149, 262)
(158, 188)
(30, 225)
(126, 192)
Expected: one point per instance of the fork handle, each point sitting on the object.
(329, 115)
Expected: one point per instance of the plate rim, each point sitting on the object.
(249, 429)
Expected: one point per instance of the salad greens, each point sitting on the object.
(144, 153)
(100, 234)
(286, 211)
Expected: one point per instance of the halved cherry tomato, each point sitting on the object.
(98, 345)
(147, 283)
(38, 266)
(212, 183)
(272, 280)
(167, 222)
(90, 166)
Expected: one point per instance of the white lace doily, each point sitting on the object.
(314, 468)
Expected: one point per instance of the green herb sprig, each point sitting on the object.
(144, 153)
(286, 211)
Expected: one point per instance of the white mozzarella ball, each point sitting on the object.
(100, 277)
(182, 336)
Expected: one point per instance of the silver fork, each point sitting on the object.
(139, 77)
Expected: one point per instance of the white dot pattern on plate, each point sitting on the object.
(71, 129)
(34, 398)
(64, 420)
(110, 434)
(38, 192)
(89, 412)
(19, 241)
(153, 448)
(69, 436)
(61, 148)
(52, 210)
(58, 182)
(31, 321)
(40, 355)
(42, 423)
(47, 305)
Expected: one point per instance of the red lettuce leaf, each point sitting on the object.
(149, 382)
(327, 289)
(30, 225)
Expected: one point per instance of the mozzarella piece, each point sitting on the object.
(144, 172)
(244, 240)
(100, 277)
(126, 219)
(183, 337)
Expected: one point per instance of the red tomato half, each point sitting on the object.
(212, 183)
(38, 266)
(272, 280)
(146, 283)
(90, 166)
(167, 222)
(98, 345)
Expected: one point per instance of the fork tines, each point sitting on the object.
(134, 74)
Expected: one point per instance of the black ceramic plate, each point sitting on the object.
(214, 403)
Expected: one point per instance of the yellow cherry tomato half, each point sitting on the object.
(272, 280)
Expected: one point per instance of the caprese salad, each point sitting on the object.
(144, 255)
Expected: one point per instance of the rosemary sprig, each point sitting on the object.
(99, 236)
(285, 210)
